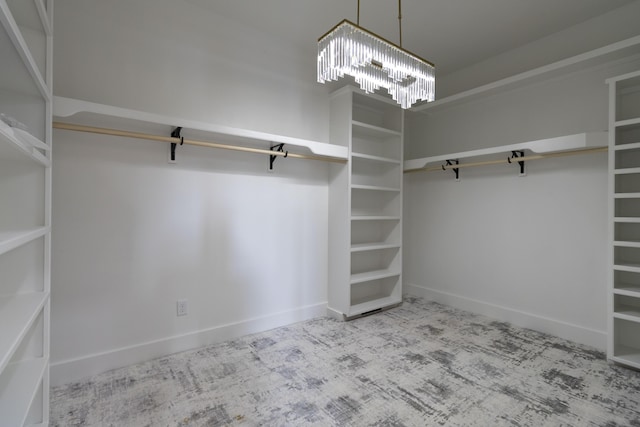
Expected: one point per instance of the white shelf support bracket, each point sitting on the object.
(175, 134)
(272, 158)
(516, 155)
(455, 170)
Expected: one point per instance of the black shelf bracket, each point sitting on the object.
(176, 134)
(455, 170)
(516, 155)
(272, 157)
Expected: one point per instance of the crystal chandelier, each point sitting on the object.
(375, 62)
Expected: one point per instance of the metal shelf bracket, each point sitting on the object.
(175, 134)
(516, 155)
(272, 158)
(455, 170)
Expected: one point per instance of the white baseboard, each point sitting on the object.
(571, 332)
(66, 371)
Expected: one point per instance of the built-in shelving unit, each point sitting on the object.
(89, 113)
(25, 210)
(624, 224)
(365, 204)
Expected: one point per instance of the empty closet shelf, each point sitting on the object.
(373, 275)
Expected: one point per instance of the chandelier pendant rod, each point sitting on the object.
(399, 20)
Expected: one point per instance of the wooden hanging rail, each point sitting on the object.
(592, 150)
(169, 139)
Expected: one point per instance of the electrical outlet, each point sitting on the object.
(182, 307)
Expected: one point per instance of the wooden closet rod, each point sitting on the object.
(513, 160)
(169, 139)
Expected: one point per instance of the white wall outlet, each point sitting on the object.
(182, 307)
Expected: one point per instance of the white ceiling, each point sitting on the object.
(453, 34)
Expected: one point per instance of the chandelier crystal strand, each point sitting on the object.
(374, 63)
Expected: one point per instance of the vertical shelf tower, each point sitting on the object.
(624, 225)
(25, 209)
(365, 205)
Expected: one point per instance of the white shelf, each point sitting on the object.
(633, 268)
(626, 219)
(363, 247)
(626, 244)
(19, 384)
(626, 171)
(601, 55)
(627, 356)
(373, 304)
(375, 158)
(362, 128)
(374, 218)
(628, 122)
(373, 188)
(12, 239)
(17, 314)
(19, 44)
(627, 195)
(632, 146)
(83, 112)
(370, 276)
(13, 146)
(542, 146)
(629, 291)
(632, 314)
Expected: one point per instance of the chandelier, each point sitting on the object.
(375, 62)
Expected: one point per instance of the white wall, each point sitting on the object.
(531, 250)
(616, 25)
(132, 233)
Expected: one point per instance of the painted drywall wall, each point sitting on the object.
(612, 27)
(133, 234)
(531, 250)
(179, 58)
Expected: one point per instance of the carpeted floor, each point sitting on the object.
(420, 364)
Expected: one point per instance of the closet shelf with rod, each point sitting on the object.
(582, 143)
(84, 116)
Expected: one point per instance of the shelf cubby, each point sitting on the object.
(24, 185)
(375, 260)
(366, 202)
(375, 232)
(375, 173)
(626, 348)
(376, 293)
(628, 100)
(627, 208)
(626, 283)
(626, 307)
(376, 142)
(368, 110)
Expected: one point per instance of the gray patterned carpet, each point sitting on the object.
(420, 364)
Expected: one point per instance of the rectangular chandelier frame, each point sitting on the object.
(374, 62)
